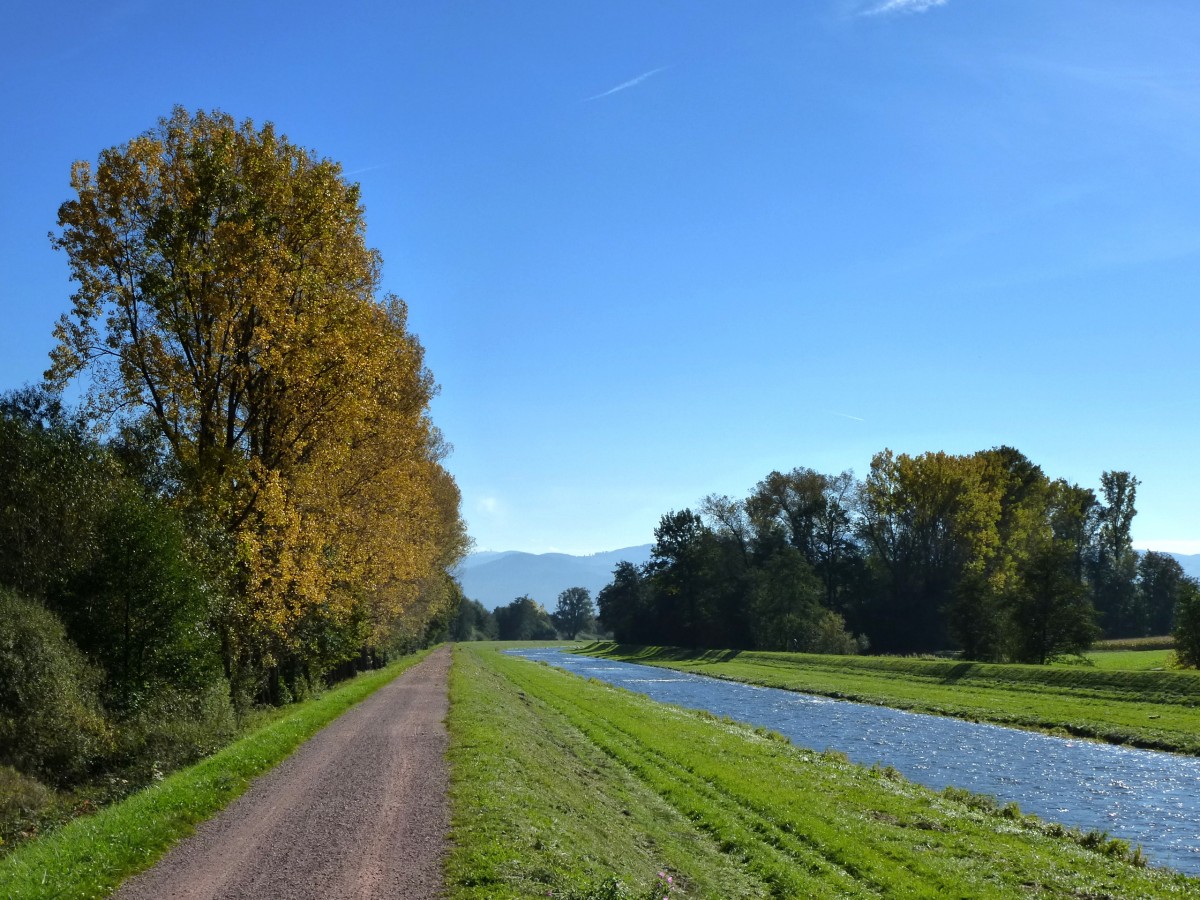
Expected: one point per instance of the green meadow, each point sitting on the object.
(1132, 660)
(1156, 709)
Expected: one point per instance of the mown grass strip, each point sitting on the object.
(90, 857)
(536, 807)
(1154, 710)
(806, 824)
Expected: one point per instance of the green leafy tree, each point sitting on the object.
(141, 608)
(731, 561)
(980, 614)
(1114, 562)
(1187, 624)
(52, 494)
(929, 524)
(680, 575)
(524, 620)
(626, 607)
(785, 603)
(792, 502)
(813, 512)
(473, 622)
(116, 563)
(1051, 612)
(1160, 580)
(575, 612)
(1074, 518)
(730, 519)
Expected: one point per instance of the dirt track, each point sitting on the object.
(358, 811)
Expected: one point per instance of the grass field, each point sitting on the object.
(1132, 660)
(1154, 709)
(559, 782)
(90, 856)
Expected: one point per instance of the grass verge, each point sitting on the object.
(558, 781)
(537, 807)
(1158, 710)
(90, 857)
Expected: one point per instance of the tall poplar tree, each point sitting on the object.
(1114, 563)
(227, 294)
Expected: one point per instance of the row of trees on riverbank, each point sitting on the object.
(981, 553)
(251, 499)
(524, 619)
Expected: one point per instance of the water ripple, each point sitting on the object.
(1145, 797)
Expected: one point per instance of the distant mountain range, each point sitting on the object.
(497, 578)
(1190, 562)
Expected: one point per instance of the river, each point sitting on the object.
(1142, 796)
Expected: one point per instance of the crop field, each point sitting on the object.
(1153, 709)
(560, 783)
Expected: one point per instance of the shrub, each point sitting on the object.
(51, 722)
(20, 795)
(23, 801)
(173, 728)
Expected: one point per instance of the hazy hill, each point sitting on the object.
(1190, 562)
(497, 578)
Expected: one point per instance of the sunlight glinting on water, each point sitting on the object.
(1142, 796)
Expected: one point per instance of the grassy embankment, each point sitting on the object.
(559, 781)
(90, 856)
(1159, 710)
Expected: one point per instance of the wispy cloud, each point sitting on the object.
(848, 416)
(891, 7)
(624, 85)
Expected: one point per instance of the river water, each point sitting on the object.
(1145, 797)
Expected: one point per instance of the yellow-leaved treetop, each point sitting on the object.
(227, 292)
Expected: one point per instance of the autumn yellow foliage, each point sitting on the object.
(227, 292)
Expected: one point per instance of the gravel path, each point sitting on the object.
(359, 811)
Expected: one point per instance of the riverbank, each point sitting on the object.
(1155, 710)
(559, 782)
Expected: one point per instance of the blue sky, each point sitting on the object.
(657, 249)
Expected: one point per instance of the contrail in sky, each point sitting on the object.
(630, 83)
(848, 416)
(367, 169)
(903, 6)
